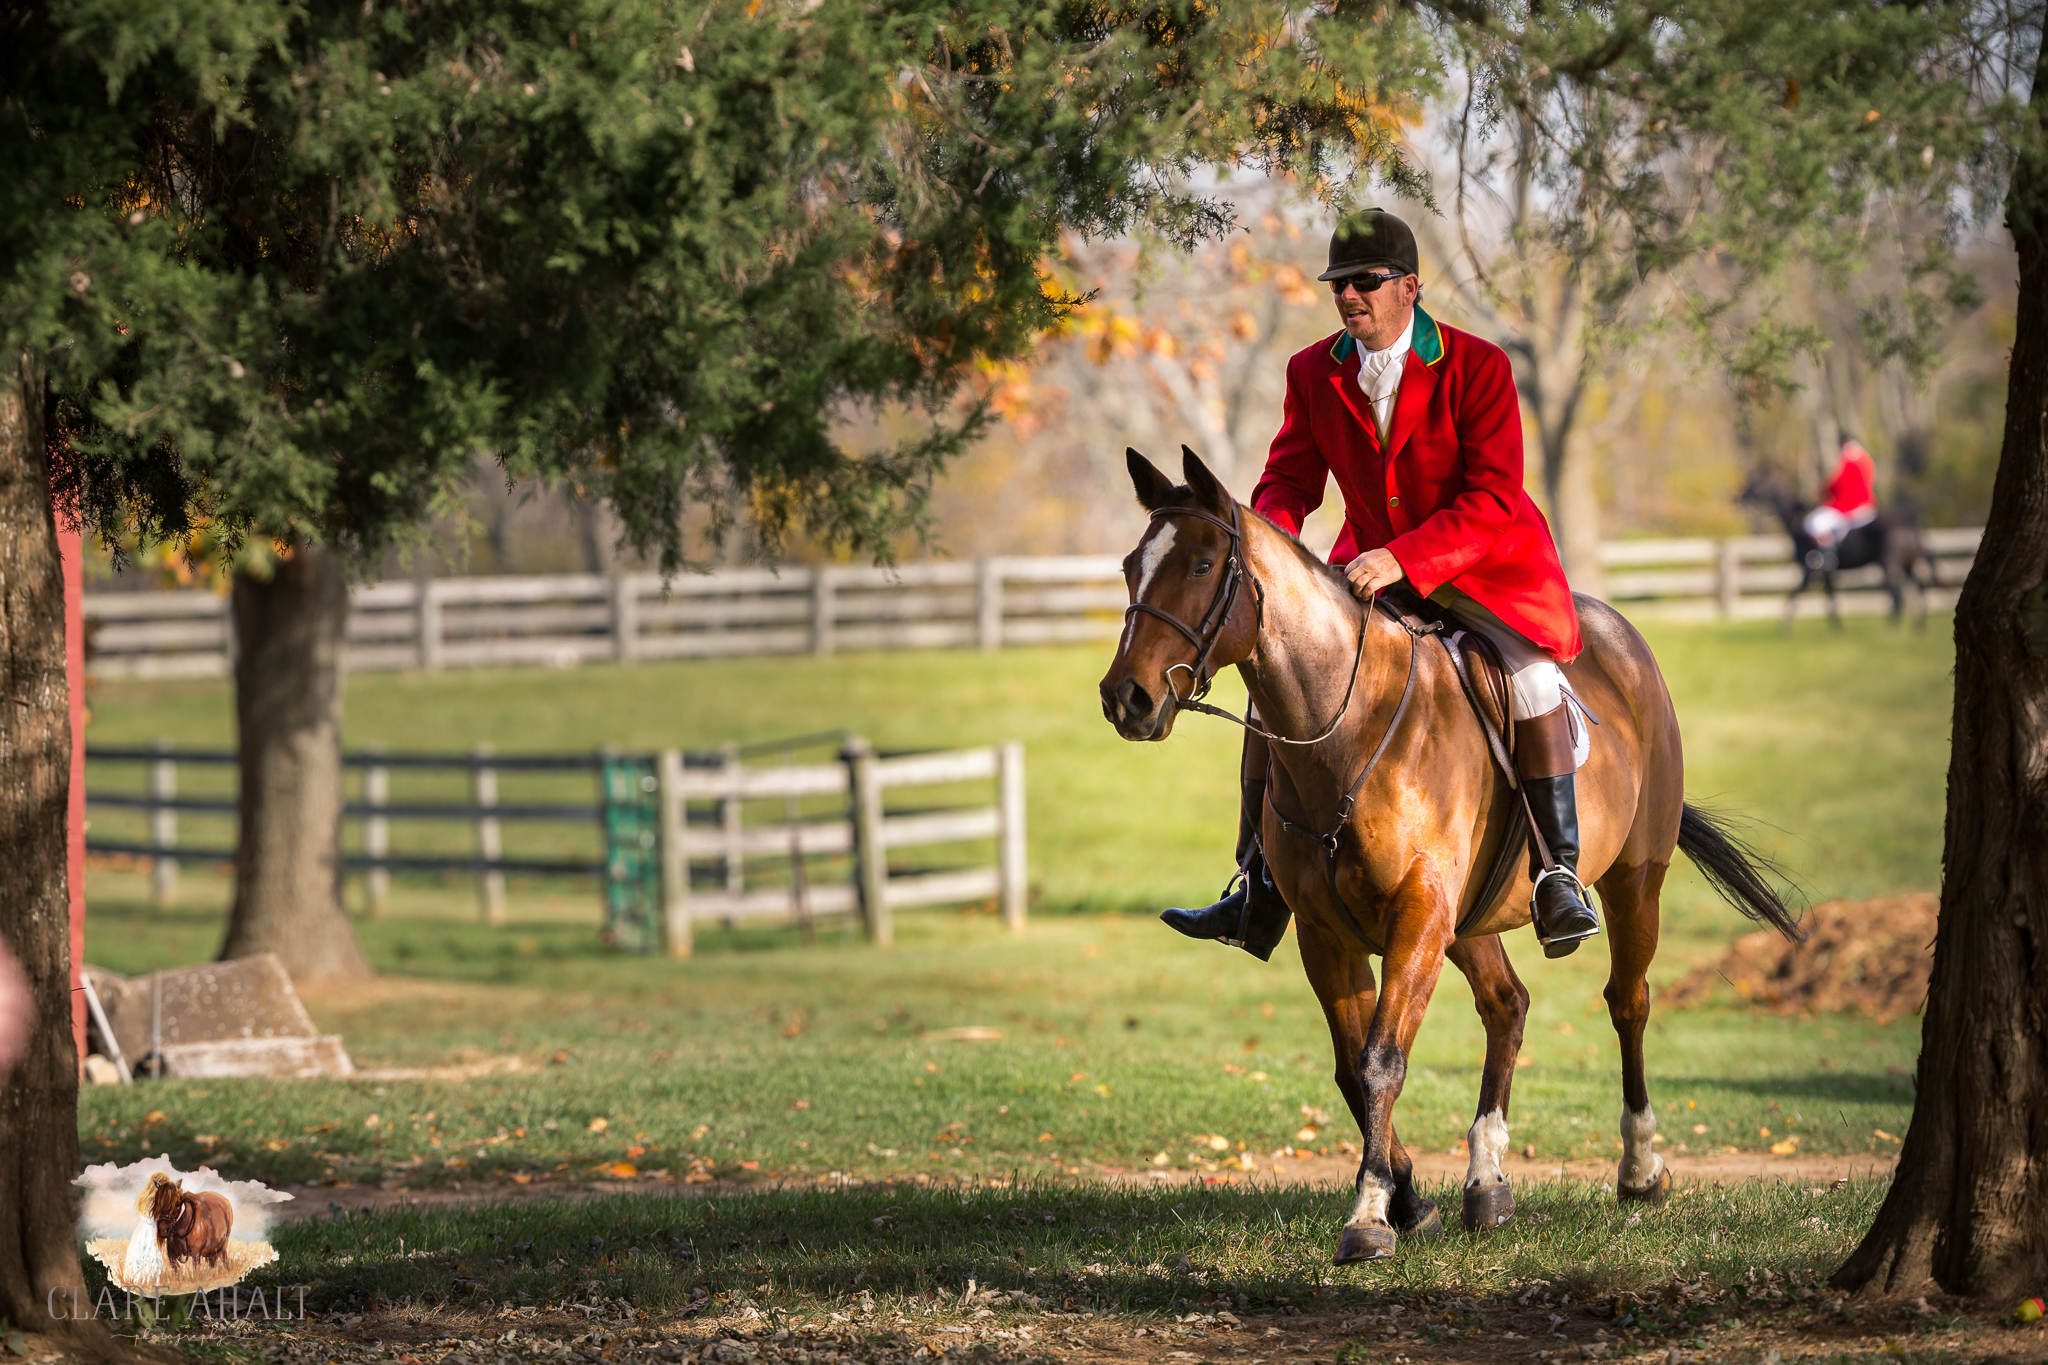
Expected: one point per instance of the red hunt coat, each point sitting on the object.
(1854, 486)
(1449, 502)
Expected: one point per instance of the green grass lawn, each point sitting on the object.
(1121, 1042)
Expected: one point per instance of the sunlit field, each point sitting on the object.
(1122, 1045)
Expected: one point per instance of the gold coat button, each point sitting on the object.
(1394, 501)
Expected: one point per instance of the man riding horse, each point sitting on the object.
(1850, 500)
(1419, 424)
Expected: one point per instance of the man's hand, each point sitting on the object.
(1372, 571)
(17, 1010)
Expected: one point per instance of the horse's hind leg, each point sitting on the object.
(1630, 893)
(1503, 1005)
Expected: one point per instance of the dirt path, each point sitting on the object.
(314, 1201)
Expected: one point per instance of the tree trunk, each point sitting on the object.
(290, 630)
(1968, 1209)
(39, 1098)
(1574, 510)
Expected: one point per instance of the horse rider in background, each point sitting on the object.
(1850, 500)
(1420, 425)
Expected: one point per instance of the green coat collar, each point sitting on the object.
(1426, 339)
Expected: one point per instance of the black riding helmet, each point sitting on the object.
(1376, 240)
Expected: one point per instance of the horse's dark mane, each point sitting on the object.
(1317, 566)
(1184, 496)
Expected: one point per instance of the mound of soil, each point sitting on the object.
(1869, 956)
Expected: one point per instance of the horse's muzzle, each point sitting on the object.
(1131, 709)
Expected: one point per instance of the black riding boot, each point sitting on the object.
(1252, 914)
(1564, 915)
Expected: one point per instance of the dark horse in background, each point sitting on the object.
(1385, 809)
(1893, 542)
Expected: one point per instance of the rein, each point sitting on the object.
(1204, 640)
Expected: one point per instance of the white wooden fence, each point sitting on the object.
(762, 870)
(861, 827)
(567, 619)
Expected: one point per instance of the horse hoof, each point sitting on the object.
(1430, 1226)
(1656, 1192)
(1488, 1207)
(1369, 1243)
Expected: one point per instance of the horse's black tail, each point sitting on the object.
(1736, 870)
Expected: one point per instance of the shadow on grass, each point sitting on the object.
(1060, 1247)
(1861, 1087)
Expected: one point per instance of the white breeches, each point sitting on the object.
(1829, 524)
(1535, 682)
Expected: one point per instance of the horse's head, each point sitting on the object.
(1193, 609)
(160, 1201)
(1763, 490)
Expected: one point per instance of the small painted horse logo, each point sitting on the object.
(181, 1239)
(189, 1227)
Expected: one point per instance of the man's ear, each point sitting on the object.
(1209, 490)
(1155, 490)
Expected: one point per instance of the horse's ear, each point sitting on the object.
(1209, 490)
(1155, 490)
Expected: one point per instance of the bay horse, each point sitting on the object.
(1378, 744)
(190, 1227)
(1893, 542)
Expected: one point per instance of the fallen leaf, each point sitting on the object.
(1787, 1147)
(598, 1125)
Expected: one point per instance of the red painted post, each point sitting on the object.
(70, 550)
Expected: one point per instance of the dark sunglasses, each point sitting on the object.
(1366, 283)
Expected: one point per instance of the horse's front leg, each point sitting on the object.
(1419, 928)
(1342, 977)
(1792, 599)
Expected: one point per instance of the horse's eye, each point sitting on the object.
(1202, 567)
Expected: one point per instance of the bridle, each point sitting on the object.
(1205, 636)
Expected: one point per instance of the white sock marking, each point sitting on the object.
(1371, 1207)
(1639, 1162)
(1487, 1142)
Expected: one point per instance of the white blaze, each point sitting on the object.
(1155, 551)
(1487, 1142)
(1639, 1163)
(1148, 564)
